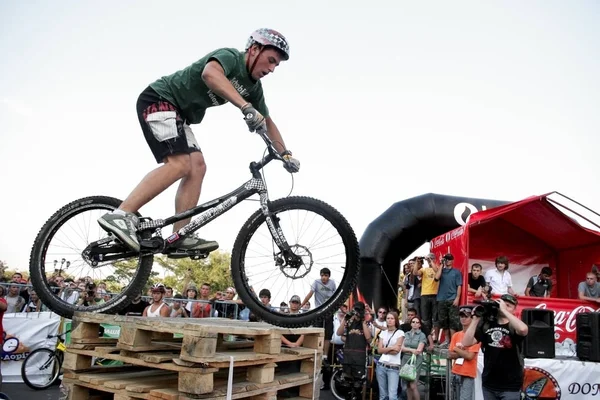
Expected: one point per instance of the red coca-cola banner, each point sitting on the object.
(565, 318)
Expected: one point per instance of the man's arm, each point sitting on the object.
(275, 135)
(214, 77)
(519, 326)
(582, 296)
(547, 294)
(307, 298)
(511, 291)
(145, 313)
(457, 300)
(341, 328)
(366, 331)
(469, 337)
(165, 311)
(462, 353)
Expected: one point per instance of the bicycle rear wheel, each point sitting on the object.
(317, 233)
(64, 237)
(40, 369)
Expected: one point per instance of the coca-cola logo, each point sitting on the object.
(565, 320)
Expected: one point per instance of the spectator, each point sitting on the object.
(168, 295)
(414, 343)
(540, 285)
(464, 368)
(412, 287)
(136, 307)
(191, 294)
(356, 334)
(284, 308)
(501, 341)
(202, 309)
(499, 279)
(410, 314)
(177, 309)
(590, 288)
(265, 299)
(429, 290)
(306, 307)
(380, 322)
(15, 302)
(3, 308)
(337, 321)
(293, 340)
(323, 289)
(158, 308)
(389, 346)
(228, 307)
(448, 297)
(35, 304)
(477, 283)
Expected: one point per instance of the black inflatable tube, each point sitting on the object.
(400, 230)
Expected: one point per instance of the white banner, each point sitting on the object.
(566, 379)
(23, 333)
(554, 379)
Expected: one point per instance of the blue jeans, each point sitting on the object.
(388, 382)
(500, 395)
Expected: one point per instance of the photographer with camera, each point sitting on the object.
(429, 290)
(356, 334)
(501, 335)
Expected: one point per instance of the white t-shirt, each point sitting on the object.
(323, 292)
(390, 339)
(498, 281)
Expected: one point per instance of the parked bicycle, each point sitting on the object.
(282, 246)
(41, 368)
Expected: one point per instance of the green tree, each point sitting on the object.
(214, 270)
(123, 273)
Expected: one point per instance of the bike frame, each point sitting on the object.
(212, 209)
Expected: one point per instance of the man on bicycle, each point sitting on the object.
(169, 105)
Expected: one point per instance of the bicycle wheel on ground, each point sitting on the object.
(41, 369)
(58, 250)
(317, 233)
(338, 386)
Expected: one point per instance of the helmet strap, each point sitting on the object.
(254, 62)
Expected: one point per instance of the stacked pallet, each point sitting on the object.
(181, 359)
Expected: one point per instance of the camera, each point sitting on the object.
(359, 312)
(487, 310)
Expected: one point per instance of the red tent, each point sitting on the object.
(532, 233)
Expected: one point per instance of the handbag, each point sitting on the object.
(408, 372)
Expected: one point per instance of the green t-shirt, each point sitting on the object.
(187, 91)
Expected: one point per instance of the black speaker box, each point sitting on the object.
(539, 342)
(588, 336)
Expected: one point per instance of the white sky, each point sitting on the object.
(380, 103)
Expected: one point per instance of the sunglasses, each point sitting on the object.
(415, 322)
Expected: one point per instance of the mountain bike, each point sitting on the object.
(41, 367)
(282, 247)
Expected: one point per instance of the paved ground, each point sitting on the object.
(20, 391)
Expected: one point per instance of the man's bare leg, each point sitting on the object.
(189, 189)
(154, 183)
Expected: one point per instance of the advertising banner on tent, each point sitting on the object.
(23, 333)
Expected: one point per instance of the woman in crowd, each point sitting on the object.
(389, 346)
(414, 343)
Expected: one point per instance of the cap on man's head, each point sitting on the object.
(431, 256)
(510, 299)
(448, 257)
(295, 298)
(465, 310)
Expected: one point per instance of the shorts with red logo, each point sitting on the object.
(164, 129)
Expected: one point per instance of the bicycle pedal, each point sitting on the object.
(194, 255)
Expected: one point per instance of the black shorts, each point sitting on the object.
(164, 128)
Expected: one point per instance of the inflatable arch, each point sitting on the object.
(400, 230)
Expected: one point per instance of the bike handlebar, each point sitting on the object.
(58, 334)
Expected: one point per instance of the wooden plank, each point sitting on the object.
(141, 387)
(195, 383)
(95, 341)
(137, 361)
(121, 381)
(80, 330)
(194, 347)
(121, 393)
(157, 358)
(270, 344)
(76, 362)
(261, 374)
(165, 394)
(223, 358)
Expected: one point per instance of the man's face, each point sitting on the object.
(501, 266)
(545, 276)
(157, 296)
(591, 279)
(169, 293)
(14, 290)
(410, 315)
(476, 271)
(465, 319)
(268, 60)
(191, 293)
(510, 307)
(449, 263)
(229, 295)
(294, 306)
(205, 291)
(324, 278)
(265, 300)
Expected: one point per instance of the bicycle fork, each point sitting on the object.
(287, 257)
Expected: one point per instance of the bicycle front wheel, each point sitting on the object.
(321, 237)
(41, 369)
(58, 252)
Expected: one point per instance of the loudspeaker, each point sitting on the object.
(588, 336)
(539, 342)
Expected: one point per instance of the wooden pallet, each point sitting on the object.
(188, 358)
